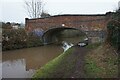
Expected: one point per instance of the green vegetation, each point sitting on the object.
(94, 45)
(101, 63)
(59, 67)
(68, 36)
(114, 30)
(69, 33)
(18, 38)
(92, 69)
(33, 40)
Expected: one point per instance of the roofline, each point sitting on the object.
(70, 15)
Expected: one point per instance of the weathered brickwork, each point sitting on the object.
(85, 22)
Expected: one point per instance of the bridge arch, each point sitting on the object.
(50, 35)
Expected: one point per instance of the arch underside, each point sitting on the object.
(50, 36)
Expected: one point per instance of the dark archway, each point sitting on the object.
(50, 36)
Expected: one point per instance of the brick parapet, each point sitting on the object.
(85, 22)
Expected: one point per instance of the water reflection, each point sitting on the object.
(22, 63)
(35, 57)
(16, 69)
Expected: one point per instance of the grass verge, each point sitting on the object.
(94, 45)
(56, 67)
(102, 62)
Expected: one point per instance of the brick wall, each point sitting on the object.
(85, 22)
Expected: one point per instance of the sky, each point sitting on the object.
(14, 10)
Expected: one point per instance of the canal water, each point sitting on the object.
(23, 63)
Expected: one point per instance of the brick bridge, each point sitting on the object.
(85, 23)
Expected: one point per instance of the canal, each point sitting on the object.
(23, 63)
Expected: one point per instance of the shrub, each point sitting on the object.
(18, 38)
(114, 30)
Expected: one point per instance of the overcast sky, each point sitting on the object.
(13, 10)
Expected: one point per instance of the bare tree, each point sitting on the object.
(34, 8)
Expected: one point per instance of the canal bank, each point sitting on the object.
(67, 65)
(102, 62)
(99, 61)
